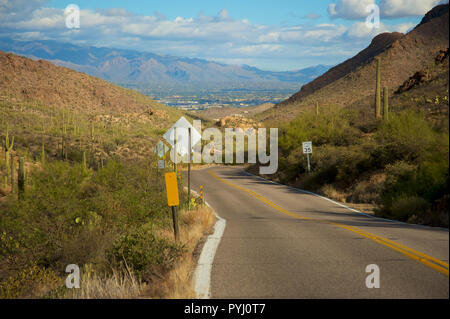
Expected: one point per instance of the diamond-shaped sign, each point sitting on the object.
(182, 136)
(160, 149)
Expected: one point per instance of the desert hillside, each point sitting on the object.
(25, 79)
(353, 81)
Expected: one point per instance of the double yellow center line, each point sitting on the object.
(429, 261)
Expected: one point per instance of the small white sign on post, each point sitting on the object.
(160, 149)
(307, 147)
(161, 164)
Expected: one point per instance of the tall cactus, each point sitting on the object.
(62, 148)
(92, 131)
(385, 104)
(378, 91)
(84, 162)
(317, 108)
(8, 146)
(13, 173)
(21, 177)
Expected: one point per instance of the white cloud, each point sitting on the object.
(269, 37)
(115, 12)
(361, 30)
(16, 10)
(218, 37)
(406, 8)
(356, 9)
(349, 9)
(404, 27)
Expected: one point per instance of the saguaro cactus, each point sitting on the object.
(8, 146)
(92, 131)
(317, 108)
(378, 91)
(13, 173)
(62, 147)
(84, 162)
(21, 177)
(385, 103)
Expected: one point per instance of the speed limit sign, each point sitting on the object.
(307, 147)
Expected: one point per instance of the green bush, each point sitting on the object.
(144, 252)
(404, 208)
(31, 282)
(412, 153)
(332, 127)
(407, 136)
(72, 216)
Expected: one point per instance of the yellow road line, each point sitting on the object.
(429, 261)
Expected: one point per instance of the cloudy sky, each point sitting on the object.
(272, 35)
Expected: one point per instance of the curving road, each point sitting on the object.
(280, 242)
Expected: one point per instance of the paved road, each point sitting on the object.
(283, 243)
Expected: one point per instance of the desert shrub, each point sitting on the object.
(120, 140)
(44, 218)
(109, 147)
(411, 189)
(31, 282)
(337, 164)
(70, 215)
(144, 252)
(405, 207)
(406, 136)
(331, 127)
(330, 192)
(367, 191)
(429, 180)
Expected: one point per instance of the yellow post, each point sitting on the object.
(201, 192)
(172, 198)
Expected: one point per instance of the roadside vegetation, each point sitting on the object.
(386, 154)
(83, 189)
(398, 166)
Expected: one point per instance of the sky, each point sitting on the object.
(277, 35)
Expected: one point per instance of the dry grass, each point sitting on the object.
(177, 283)
(174, 284)
(331, 192)
(119, 285)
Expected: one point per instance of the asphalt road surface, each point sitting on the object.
(284, 243)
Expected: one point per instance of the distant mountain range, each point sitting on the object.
(142, 69)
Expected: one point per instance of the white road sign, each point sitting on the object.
(307, 147)
(182, 137)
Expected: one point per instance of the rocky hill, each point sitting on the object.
(353, 81)
(23, 79)
(378, 45)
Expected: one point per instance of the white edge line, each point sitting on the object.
(342, 205)
(202, 273)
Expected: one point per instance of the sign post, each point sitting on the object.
(189, 167)
(160, 150)
(173, 198)
(307, 149)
